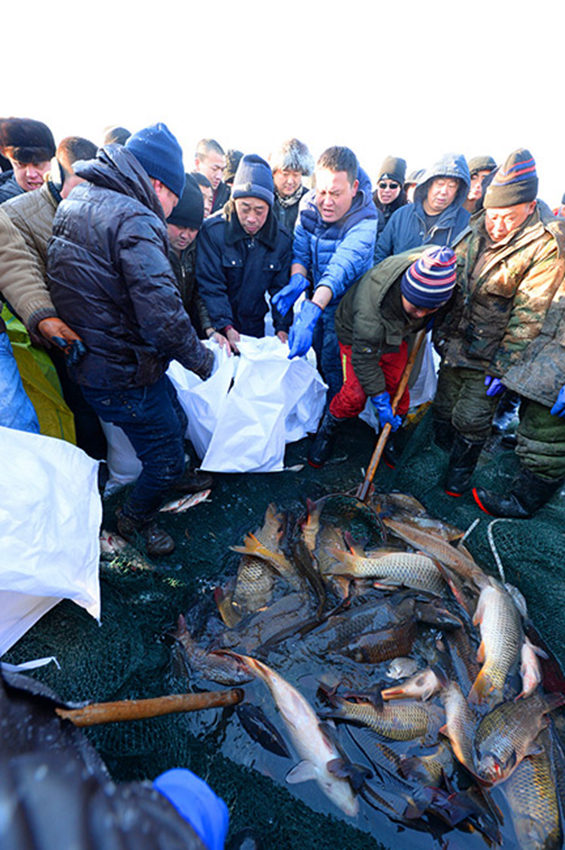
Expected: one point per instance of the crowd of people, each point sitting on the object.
(118, 259)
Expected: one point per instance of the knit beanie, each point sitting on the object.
(189, 212)
(233, 158)
(515, 182)
(393, 168)
(160, 155)
(26, 140)
(293, 155)
(430, 280)
(253, 179)
(481, 163)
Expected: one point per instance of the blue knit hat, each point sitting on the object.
(430, 280)
(253, 179)
(515, 182)
(160, 155)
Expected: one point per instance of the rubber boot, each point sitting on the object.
(444, 434)
(157, 541)
(527, 494)
(193, 481)
(323, 444)
(462, 462)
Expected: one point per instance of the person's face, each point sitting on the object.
(501, 221)
(388, 190)
(252, 214)
(181, 237)
(29, 175)
(212, 166)
(286, 181)
(476, 188)
(167, 199)
(334, 194)
(416, 312)
(441, 194)
(208, 196)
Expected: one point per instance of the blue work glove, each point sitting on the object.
(197, 803)
(302, 330)
(494, 385)
(381, 403)
(285, 298)
(558, 408)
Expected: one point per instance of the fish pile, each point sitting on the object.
(403, 679)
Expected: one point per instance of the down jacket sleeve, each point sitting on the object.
(352, 257)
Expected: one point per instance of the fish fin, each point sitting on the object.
(301, 772)
(481, 652)
(356, 774)
(553, 701)
(443, 730)
(482, 686)
(535, 749)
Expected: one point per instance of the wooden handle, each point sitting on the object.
(137, 709)
(385, 431)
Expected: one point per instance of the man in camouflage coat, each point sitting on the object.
(510, 263)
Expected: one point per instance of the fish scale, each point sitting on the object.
(401, 721)
(398, 568)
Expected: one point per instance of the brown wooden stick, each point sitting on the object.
(385, 431)
(136, 709)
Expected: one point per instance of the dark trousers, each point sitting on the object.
(326, 346)
(155, 423)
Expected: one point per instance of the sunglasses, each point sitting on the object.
(384, 185)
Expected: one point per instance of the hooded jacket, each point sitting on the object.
(111, 280)
(407, 227)
(337, 253)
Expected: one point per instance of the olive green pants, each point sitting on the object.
(461, 399)
(541, 441)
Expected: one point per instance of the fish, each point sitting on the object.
(111, 544)
(117, 555)
(179, 506)
(530, 668)
(404, 720)
(229, 613)
(260, 728)
(311, 526)
(253, 546)
(254, 584)
(399, 568)
(269, 625)
(507, 734)
(211, 665)
(375, 647)
(501, 641)
(460, 725)
(320, 758)
(429, 768)
(423, 685)
(401, 668)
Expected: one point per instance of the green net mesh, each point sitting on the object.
(131, 653)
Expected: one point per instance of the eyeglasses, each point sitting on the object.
(384, 185)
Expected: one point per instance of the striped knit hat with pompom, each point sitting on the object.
(515, 182)
(430, 280)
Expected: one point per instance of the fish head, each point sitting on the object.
(489, 769)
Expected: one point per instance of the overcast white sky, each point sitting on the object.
(411, 79)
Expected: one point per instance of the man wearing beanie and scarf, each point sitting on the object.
(29, 146)
(243, 253)
(510, 263)
(111, 279)
(376, 323)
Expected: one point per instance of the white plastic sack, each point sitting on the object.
(241, 418)
(50, 515)
(124, 465)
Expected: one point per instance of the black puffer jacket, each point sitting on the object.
(111, 279)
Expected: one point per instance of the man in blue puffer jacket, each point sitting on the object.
(334, 241)
(436, 217)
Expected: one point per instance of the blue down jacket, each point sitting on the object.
(406, 228)
(339, 253)
(111, 280)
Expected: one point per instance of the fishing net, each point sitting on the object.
(131, 653)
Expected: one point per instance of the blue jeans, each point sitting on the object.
(16, 410)
(155, 423)
(326, 346)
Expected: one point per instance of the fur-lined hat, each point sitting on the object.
(26, 140)
(293, 155)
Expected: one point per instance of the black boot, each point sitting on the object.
(322, 446)
(444, 433)
(193, 481)
(155, 539)
(528, 493)
(462, 462)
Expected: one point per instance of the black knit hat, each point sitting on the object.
(481, 163)
(393, 168)
(514, 182)
(233, 158)
(189, 212)
(26, 140)
(253, 179)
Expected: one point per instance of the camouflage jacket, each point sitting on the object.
(503, 292)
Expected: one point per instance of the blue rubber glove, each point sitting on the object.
(558, 408)
(494, 385)
(302, 330)
(381, 403)
(197, 803)
(285, 298)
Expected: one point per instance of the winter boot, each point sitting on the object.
(528, 493)
(444, 433)
(322, 446)
(193, 481)
(156, 540)
(462, 462)
(506, 412)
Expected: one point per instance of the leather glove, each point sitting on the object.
(302, 330)
(558, 408)
(285, 298)
(383, 409)
(494, 385)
